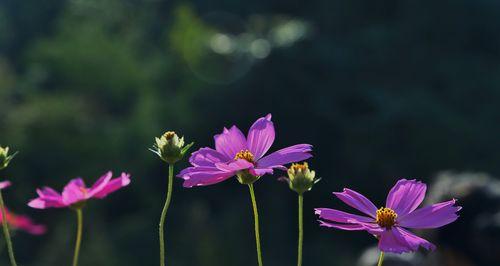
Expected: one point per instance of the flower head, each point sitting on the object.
(5, 158)
(170, 147)
(75, 193)
(389, 224)
(240, 156)
(5, 184)
(301, 178)
(23, 222)
(20, 222)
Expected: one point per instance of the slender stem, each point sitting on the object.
(381, 258)
(6, 233)
(164, 213)
(301, 229)
(256, 222)
(79, 215)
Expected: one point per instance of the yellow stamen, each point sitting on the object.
(245, 155)
(299, 167)
(83, 190)
(169, 135)
(386, 217)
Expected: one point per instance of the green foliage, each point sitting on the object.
(189, 35)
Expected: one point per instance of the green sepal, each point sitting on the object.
(186, 148)
(4, 161)
(78, 205)
(245, 178)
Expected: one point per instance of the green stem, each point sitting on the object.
(381, 258)
(301, 229)
(164, 213)
(79, 215)
(6, 233)
(256, 223)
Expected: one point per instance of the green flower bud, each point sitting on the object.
(170, 147)
(5, 158)
(300, 178)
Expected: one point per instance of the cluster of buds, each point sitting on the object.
(301, 178)
(5, 158)
(170, 148)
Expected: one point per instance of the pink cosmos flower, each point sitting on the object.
(76, 192)
(234, 153)
(389, 224)
(21, 222)
(4, 184)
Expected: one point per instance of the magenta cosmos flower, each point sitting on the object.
(4, 184)
(23, 222)
(236, 154)
(20, 222)
(389, 224)
(76, 192)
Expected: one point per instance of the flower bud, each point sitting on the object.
(300, 178)
(170, 147)
(5, 158)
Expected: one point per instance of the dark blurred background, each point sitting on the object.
(382, 89)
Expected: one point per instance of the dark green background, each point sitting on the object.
(382, 89)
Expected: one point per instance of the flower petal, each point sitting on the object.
(40, 203)
(295, 153)
(413, 241)
(207, 157)
(112, 186)
(357, 201)
(392, 241)
(261, 171)
(48, 198)
(341, 217)
(100, 184)
(74, 191)
(405, 196)
(347, 221)
(261, 136)
(24, 223)
(234, 166)
(398, 240)
(5, 184)
(230, 142)
(348, 227)
(203, 176)
(373, 229)
(432, 216)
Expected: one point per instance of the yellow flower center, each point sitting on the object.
(386, 217)
(245, 155)
(169, 135)
(299, 167)
(84, 191)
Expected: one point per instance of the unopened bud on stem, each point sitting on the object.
(170, 148)
(5, 158)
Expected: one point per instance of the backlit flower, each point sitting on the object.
(389, 224)
(23, 222)
(75, 193)
(5, 184)
(20, 222)
(235, 154)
